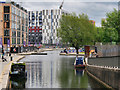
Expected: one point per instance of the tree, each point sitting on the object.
(111, 27)
(76, 30)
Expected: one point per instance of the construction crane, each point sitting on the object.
(61, 5)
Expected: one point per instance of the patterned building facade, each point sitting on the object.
(35, 27)
(13, 26)
(50, 19)
(43, 26)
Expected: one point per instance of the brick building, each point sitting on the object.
(13, 26)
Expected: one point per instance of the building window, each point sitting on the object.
(6, 9)
(22, 28)
(32, 27)
(13, 40)
(54, 30)
(13, 9)
(6, 40)
(14, 33)
(18, 40)
(22, 35)
(6, 33)
(47, 34)
(49, 17)
(13, 25)
(59, 12)
(7, 25)
(45, 38)
(33, 24)
(18, 34)
(54, 16)
(6, 17)
(46, 12)
(18, 12)
(43, 12)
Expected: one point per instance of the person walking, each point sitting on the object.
(3, 59)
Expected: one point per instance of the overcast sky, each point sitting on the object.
(95, 9)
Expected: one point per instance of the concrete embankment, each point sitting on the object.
(4, 77)
(109, 77)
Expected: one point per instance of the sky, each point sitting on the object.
(95, 9)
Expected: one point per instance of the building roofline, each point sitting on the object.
(15, 4)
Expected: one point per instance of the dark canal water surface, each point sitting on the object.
(53, 71)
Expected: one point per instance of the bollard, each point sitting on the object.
(11, 58)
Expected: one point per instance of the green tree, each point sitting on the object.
(76, 30)
(111, 27)
(99, 37)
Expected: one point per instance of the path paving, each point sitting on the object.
(5, 68)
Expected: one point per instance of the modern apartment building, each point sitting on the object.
(50, 24)
(43, 26)
(13, 26)
(35, 27)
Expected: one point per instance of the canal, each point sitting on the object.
(53, 71)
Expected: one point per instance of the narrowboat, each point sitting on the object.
(79, 63)
(18, 69)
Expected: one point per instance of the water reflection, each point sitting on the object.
(72, 78)
(53, 71)
(34, 74)
(79, 72)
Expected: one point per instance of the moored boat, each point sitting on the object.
(79, 63)
(18, 69)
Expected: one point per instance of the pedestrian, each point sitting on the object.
(3, 59)
(65, 50)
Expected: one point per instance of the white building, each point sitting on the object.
(50, 24)
(43, 26)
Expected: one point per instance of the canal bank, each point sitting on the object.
(4, 77)
(105, 70)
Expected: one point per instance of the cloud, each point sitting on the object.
(37, 6)
(95, 9)
(65, 0)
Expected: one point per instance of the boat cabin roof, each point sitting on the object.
(18, 63)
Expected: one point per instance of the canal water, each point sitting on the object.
(53, 71)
